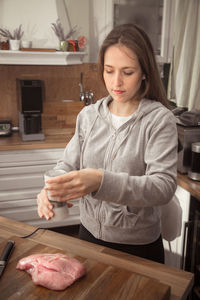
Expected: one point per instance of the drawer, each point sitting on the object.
(25, 170)
(22, 178)
(22, 181)
(26, 211)
(16, 178)
(30, 157)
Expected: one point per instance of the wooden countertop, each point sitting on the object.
(179, 281)
(58, 126)
(53, 139)
(192, 186)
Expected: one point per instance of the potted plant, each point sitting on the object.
(65, 44)
(14, 38)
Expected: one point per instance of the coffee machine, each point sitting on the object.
(30, 97)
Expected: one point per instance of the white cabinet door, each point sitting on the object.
(160, 28)
(21, 179)
(174, 249)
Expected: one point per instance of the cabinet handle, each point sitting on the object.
(186, 226)
(194, 243)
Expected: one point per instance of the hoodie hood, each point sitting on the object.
(145, 107)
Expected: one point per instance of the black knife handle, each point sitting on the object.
(7, 251)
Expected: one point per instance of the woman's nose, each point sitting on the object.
(117, 80)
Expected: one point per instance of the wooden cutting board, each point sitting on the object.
(102, 282)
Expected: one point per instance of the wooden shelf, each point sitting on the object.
(9, 57)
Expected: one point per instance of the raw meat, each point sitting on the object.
(53, 271)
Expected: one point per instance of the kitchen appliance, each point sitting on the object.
(5, 128)
(187, 135)
(191, 246)
(30, 96)
(194, 172)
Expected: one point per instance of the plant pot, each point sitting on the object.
(63, 45)
(26, 44)
(14, 44)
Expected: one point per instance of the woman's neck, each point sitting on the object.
(123, 109)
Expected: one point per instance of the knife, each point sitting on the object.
(5, 255)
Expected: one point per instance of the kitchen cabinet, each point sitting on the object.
(191, 258)
(174, 249)
(21, 179)
(155, 16)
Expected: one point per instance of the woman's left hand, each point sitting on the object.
(74, 184)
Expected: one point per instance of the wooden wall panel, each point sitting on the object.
(60, 82)
(60, 115)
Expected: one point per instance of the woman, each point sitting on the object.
(122, 158)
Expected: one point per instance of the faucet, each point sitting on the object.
(86, 96)
(91, 97)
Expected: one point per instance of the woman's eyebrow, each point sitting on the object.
(123, 68)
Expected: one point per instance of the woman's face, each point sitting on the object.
(122, 73)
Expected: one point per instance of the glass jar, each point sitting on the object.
(4, 44)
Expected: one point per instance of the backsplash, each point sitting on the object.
(60, 83)
(60, 116)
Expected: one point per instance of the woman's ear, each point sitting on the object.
(143, 77)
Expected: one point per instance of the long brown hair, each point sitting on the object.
(133, 37)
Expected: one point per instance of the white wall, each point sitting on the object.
(36, 17)
(100, 16)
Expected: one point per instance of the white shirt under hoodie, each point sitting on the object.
(139, 165)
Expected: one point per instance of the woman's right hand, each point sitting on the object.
(45, 208)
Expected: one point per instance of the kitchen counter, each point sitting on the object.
(167, 280)
(58, 126)
(53, 139)
(192, 186)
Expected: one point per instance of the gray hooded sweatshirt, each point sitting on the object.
(139, 165)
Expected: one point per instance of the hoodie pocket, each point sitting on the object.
(115, 215)
(106, 213)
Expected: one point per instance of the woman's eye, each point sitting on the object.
(108, 71)
(128, 73)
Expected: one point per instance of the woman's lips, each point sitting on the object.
(118, 92)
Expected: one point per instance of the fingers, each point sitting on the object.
(60, 179)
(74, 184)
(58, 191)
(45, 208)
(73, 196)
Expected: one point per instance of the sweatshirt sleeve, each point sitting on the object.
(158, 184)
(71, 156)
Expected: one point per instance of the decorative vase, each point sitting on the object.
(73, 46)
(26, 44)
(14, 44)
(63, 45)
